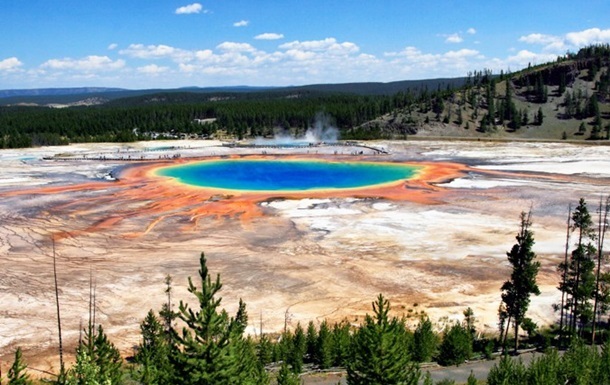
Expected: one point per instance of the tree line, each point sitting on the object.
(238, 116)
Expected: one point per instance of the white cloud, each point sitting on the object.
(229, 46)
(461, 54)
(454, 38)
(204, 54)
(161, 51)
(588, 37)
(525, 57)
(571, 40)
(329, 45)
(269, 36)
(292, 62)
(189, 9)
(91, 63)
(471, 31)
(10, 64)
(549, 42)
(412, 63)
(152, 69)
(241, 23)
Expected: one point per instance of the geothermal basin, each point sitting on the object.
(432, 238)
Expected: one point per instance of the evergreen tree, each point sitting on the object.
(601, 300)
(539, 117)
(507, 371)
(286, 376)
(299, 348)
(324, 344)
(424, 341)
(84, 371)
(311, 341)
(264, 350)
(469, 320)
(17, 374)
(341, 342)
(210, 346)
(152, 356)
(579, 285)
(98, 361)
(456, 346)
(283, 347)
(249, 370)
(378, 355)
(522, 283)
(167, 313)
(582, 128)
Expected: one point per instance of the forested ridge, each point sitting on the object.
(201, 343)
(565, 99)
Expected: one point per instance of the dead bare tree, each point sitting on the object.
(565, 272)
(602, 228)
(61, 350)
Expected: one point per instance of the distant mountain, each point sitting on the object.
(100, 95)
(57, 91)
(378, 88)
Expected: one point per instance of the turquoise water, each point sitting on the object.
(286, 175)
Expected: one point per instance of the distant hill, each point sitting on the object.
(99, 95)
(568, 99)
(376, 88)
(56, 91)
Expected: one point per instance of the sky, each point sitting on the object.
(138, 44)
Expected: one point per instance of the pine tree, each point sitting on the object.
(507, 371)
(379, 354)
(539, 117)
(299, 348)
(582, 265)
(17, 374)
(264, 350)
(522, 283)
(98, 361)
(456, 346)
(84, 371)
(324, 346)
(286, 376)
(249, 370)
(424, 341)
(152, 357)
(311, 341)
(167, 313)
(210, 346)
(601, 299)
(341, 342)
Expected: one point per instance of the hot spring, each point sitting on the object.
(287, 175)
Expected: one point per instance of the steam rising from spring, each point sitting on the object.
(322, 131)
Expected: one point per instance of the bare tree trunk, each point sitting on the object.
(61, 349)
(506, 333)
(601, 235)
(516, 336)
(565, 273)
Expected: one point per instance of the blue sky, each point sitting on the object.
(172, 43)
